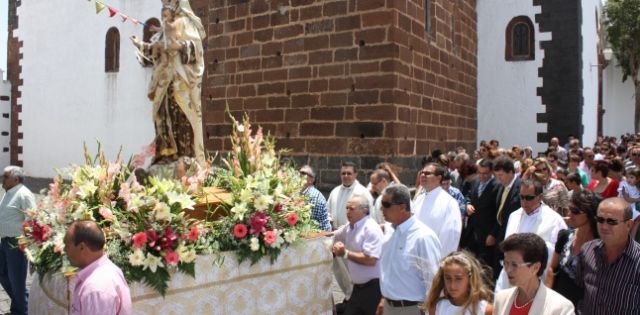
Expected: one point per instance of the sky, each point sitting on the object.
(4, 32)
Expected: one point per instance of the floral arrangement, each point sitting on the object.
(147, 225)
(147, 232)
(267, 211)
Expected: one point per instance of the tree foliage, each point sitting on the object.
(622, 22)
(622, 27)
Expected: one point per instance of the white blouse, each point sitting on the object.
(444, 307)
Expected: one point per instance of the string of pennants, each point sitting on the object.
(100, 6)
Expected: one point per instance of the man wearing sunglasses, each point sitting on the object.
(533, 217)
(410, 255)
(609, 267)
(437, 209)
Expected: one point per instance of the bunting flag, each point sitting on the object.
(112, 12)
(99, 7)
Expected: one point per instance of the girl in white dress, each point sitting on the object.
(459, 288)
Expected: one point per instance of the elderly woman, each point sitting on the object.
(525, 259)
(600, 182)
(562, 270)
(555, 194)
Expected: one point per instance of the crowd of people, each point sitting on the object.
(498, 231)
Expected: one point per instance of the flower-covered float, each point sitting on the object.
(233, 239)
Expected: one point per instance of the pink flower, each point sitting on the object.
(171, 257)
(240, 230)
(125, 192)
(112, 169)
(54, 188)
(169, 237)
(292, 218)
(277, 208)
(139, 239)
(106, 213)
(270, 237)
(152, 236)
(257, 222)
(194, 233)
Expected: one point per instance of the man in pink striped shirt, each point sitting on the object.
(100, 287)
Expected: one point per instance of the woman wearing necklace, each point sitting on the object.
(525, 259)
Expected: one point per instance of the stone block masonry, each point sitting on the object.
(337, 80)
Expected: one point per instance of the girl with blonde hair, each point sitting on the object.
(459, 287)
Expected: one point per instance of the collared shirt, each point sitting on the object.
(457, 195)
(409, 261)
(338, 198)
(376, 212)
(366, 237)
(609, 288)
(319, 211)
(14, 202)
(441, 213)
(101, 289)
(543, 221)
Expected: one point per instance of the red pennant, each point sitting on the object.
(112, 12)
(124, 17)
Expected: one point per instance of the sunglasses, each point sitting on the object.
(609, 221)
(575, 210)
(387, 205)
(425, 173)
(528, 197)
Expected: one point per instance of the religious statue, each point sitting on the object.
(176, 52)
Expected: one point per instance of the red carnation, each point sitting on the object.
(270, 237)
(240, 230)
(171, 258)
(292, 219)
(193, 234)
(139, 239)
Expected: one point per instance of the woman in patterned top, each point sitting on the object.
(562, 273)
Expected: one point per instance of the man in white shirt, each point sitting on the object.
(410, 256)
(337, 205)
(379, 180)
(533, 217)
(437, 209)
(13, 263)
(360, 243)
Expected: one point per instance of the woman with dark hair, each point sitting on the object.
(562, 269)
(468, 172)
(525, 259)
(600, 182)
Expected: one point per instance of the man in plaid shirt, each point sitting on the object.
(319, 211)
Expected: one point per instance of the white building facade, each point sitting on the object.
(551, 92)
(67, 97)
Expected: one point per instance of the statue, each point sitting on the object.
(176, 52)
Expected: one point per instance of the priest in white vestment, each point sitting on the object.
(437, 209)
(533, 217)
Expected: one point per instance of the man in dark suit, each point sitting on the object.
(481, 212)
(507, 201)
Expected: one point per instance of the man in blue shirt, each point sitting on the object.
(319, 211)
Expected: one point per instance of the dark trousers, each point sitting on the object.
(364, 299)
(13, 274)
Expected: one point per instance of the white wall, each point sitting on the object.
(67, 98)
(507, 100)
(618, 101)
(5, 123)
(590, 40)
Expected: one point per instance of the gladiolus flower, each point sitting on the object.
(270, 237)
(139, 239)
(240, 230)
(292, 219)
